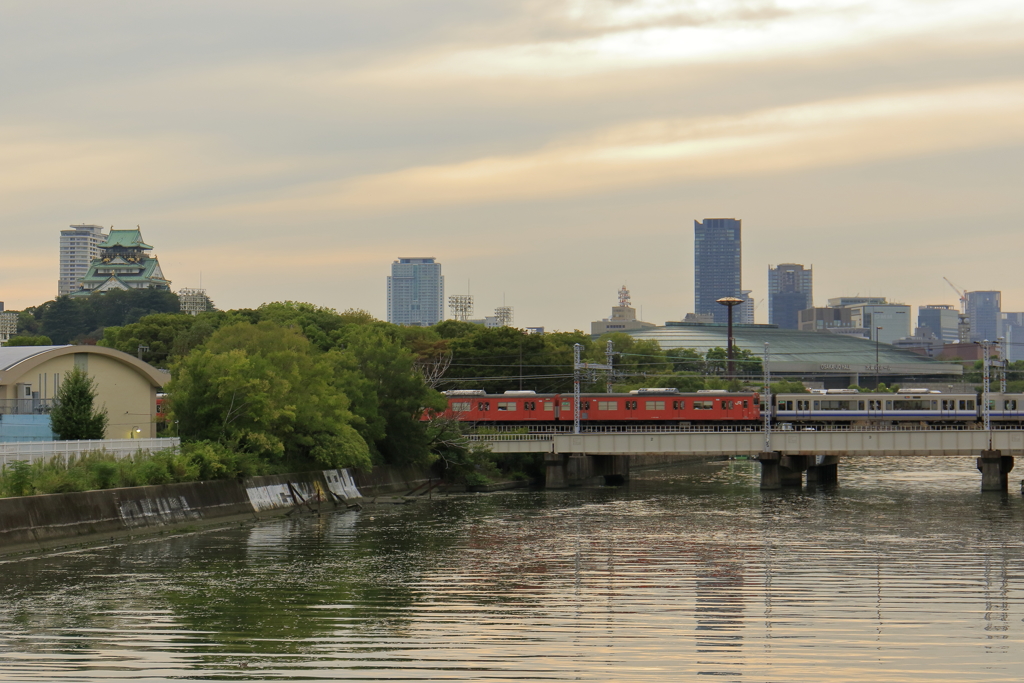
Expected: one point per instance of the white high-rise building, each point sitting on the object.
(79, 245)
(415, 292)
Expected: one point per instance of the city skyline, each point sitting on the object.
(549, 153)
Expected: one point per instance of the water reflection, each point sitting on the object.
(903, 572)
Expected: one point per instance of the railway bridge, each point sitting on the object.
(785, 456)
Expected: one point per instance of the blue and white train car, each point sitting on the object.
(1006, 408)
(845, 406)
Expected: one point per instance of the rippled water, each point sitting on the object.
(904, 573)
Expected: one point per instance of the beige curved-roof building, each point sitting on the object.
(125, 386)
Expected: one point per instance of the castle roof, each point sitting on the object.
(131, 239)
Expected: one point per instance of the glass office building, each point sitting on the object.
(716, 260)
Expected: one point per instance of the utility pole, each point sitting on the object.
(609, 352)
(877, 369)
(766, 403)
(986, 413)
(1002, 365)
(577, 367)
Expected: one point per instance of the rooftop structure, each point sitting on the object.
(623, 318)
(716, 264)
(790, 290)
(843, 301)
(835, 359)
(830, 320)
(415, 291)
(123, 263)
(79, 246)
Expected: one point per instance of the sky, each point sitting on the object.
(546, 152)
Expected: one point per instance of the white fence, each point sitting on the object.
(42, 450)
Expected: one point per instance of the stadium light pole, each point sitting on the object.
(730, 302)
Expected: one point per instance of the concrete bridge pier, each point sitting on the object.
(614, 468)
(572, 469)
(792, 468)
(995, 469)
(785, 471)
(824, 471)
(770, 479)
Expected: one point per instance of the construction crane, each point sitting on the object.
(963, 321)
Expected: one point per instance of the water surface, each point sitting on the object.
(905, 572)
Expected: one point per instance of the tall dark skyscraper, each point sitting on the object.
(790, 291)
(985, 311)
(716, 265)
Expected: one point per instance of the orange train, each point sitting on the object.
(642, 406)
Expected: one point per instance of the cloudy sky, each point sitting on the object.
(545, 151)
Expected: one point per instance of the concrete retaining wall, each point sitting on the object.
(40, 522)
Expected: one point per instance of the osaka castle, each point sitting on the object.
(123, 264)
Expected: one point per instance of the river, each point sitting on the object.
(904, 572)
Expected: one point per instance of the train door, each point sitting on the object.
(803, 408)
(875, 409)
(947, 409)
(632, 411)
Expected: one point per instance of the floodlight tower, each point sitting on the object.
(461, 306)
(192, 301)
(504, 315)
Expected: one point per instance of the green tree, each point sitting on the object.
(73, 416)
(388, 394)
(157, 333)
(266, 390)
(25, 340)
(63, 319)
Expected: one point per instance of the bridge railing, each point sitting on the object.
(516, 434)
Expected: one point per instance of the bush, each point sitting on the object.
(100, 470)
(16, 479)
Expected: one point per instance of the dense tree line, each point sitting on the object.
(81, 320)
(297, 383)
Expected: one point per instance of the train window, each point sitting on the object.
(727, 405)
(963, 405)
(506, 405)
(675, 405)
(631, 405)
(1010, 405)
(817, 405)
(935, 405)
(745, 405)
(585, 405)
(970, 404)
(654, 405)
(549, 406)
(908, 404)
(566, 405)
(860, 405)
(786, 405)
(888, 405)
(607, 405)
(757, 400)
(703, 405)
(462, 406)
(836, 405)
(992, 404)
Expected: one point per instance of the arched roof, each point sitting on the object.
(16, 361)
